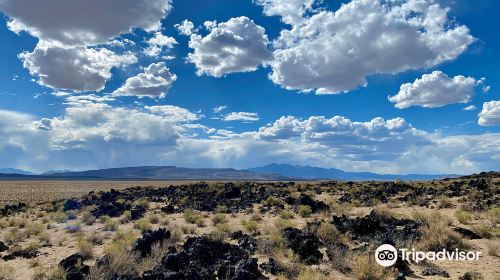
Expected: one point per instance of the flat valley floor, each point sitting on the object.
(245, 230)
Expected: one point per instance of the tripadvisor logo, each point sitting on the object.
(387, 255)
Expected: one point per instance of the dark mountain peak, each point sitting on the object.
(311, 172)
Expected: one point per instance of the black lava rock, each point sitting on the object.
(12, 209)
(3, 247)
(74, 267)
(316, 206)
(137, 212)
(72, 204)
(203, 258)
(272, 267)
(467, 233)
(145, 244)
(434, 270)
(303, 244)
(374, 230)
(25, 253)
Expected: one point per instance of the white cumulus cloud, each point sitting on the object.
(238, 45)
(290, 11)
(186, 27)
(157, 43)
(242, 116)
(174, 113)
(73, 68)
(154, 82)
(490, 114)
(334, 52)
(88, 22)
(470, 108)
(435, 90)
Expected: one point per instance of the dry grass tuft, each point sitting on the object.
(143, 225)
(365, 268)
(304, 211)
(6, 272)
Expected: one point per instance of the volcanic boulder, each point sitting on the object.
(303, 244)
(204, 258)
(145, 244)
(74, 267)
(316, 206)
(3, 247)
(374, 230)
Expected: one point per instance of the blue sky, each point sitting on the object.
(280, 72)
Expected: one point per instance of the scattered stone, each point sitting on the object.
(168, 209)
(434, 270)
(72, 204)
(272, 267)
(471, 276)
(74, 267)
(204, 258)
(137, 212)
(372, 229)
(3, 247)
(145, 244)
(467, 233)
(316, 206)
(303, 244)
(24, 253)
(12, 209)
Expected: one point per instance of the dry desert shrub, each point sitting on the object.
(110, 224)
(221, 232)
(88, 218)
(34, 229)
(436, 234)
(44, 239)
(59, 217)
(339, 209)
(143, 225)
(304, 211)
(121, 261)
(154, 219)
(494, 248)
(493, 215)
(3, 223)
(41, 273)
(287, 214)
(327, 233)
(309, 273)
(6, 272)
(463, 217)
(95, 238)
(85, 248)
(384, 213)
(272, 201)
(444, 202)
(14, 235)
(142, 202)
(193, 217)
(485, 229)
(157, 252)
(365, 268)
(250, 226)
(126, 217)
(219, 219)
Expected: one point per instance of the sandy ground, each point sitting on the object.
(64, 244)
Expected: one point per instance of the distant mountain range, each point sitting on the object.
(271, 172)
(155, 173)
(15, 171)
(317, 173)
